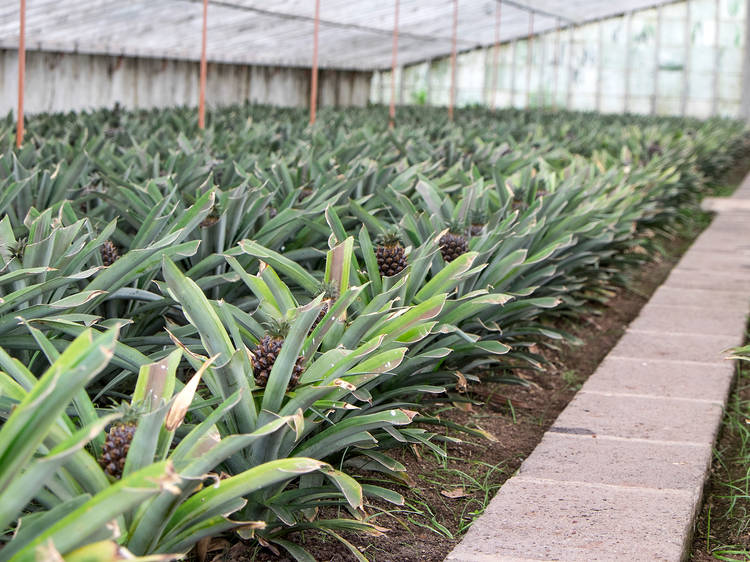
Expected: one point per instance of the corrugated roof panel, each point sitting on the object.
(354, 34)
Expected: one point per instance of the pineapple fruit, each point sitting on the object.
(453, 243)
(210, 220)
(391, 255)
(267, 351)
(109, 253)
(330, 294)
(118, 440)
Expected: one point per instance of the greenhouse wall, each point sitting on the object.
(684, 58)
(65, 82)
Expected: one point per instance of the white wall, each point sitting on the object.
(697, 69)
(64, 82)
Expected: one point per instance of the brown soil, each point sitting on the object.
(449, 493)
(723, 525)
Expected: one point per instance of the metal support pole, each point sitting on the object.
(657, 49)
(453, 60)
(21, 72)
(628, 44)
(745, 98)
(688, 51)
(314, 78)
(495, 53)
(556, 60)
(528, 59)
(599, 66)
(717, 60)
(394, 60)
(202, 93)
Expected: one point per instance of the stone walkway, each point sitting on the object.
(620, 474)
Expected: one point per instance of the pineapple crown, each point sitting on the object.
(18, 248)
(278, 327)
(456, 226)
(478, 216)
(391, 237)
(130, 412)
(330, 290)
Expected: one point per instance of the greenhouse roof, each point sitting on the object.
(354, 34)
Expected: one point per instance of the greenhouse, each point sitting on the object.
(405, 280)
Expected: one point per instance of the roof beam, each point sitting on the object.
(527, 8)
(327, 23)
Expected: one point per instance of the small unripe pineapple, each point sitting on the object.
(118, 440)
(116, 447)
(331, 293)
(109, 253)
(391, 255)
(210, 220)
(453, 243)
(267, 351)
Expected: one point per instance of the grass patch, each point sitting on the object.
(723, 529)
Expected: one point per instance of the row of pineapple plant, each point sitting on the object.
(286, 299)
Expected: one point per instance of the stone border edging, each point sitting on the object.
(620, 474)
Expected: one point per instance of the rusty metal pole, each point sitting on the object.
(495, 53)
(314, 79)
(21, 72)
(202, 94)
(528, 59)
(394, 61)
(453, 60)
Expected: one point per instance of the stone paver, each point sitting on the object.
(718, 321)
(575, 458)
(701, 298)
(554, 520)
(619, 475)
(712, 280)
(640, 417)
(659, 378)
(684, 347)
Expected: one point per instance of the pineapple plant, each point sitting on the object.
(267, 351)
(109, 253)
(118, 440)
(390, 254)
(453, 243)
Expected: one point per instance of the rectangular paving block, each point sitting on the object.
(700, 298)
(714, 261)
(550, 520)
(678, 319)
(640, 464)
(653, 377)
(640, 417)
(722, 244)
(680, 347)
(713, 280)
